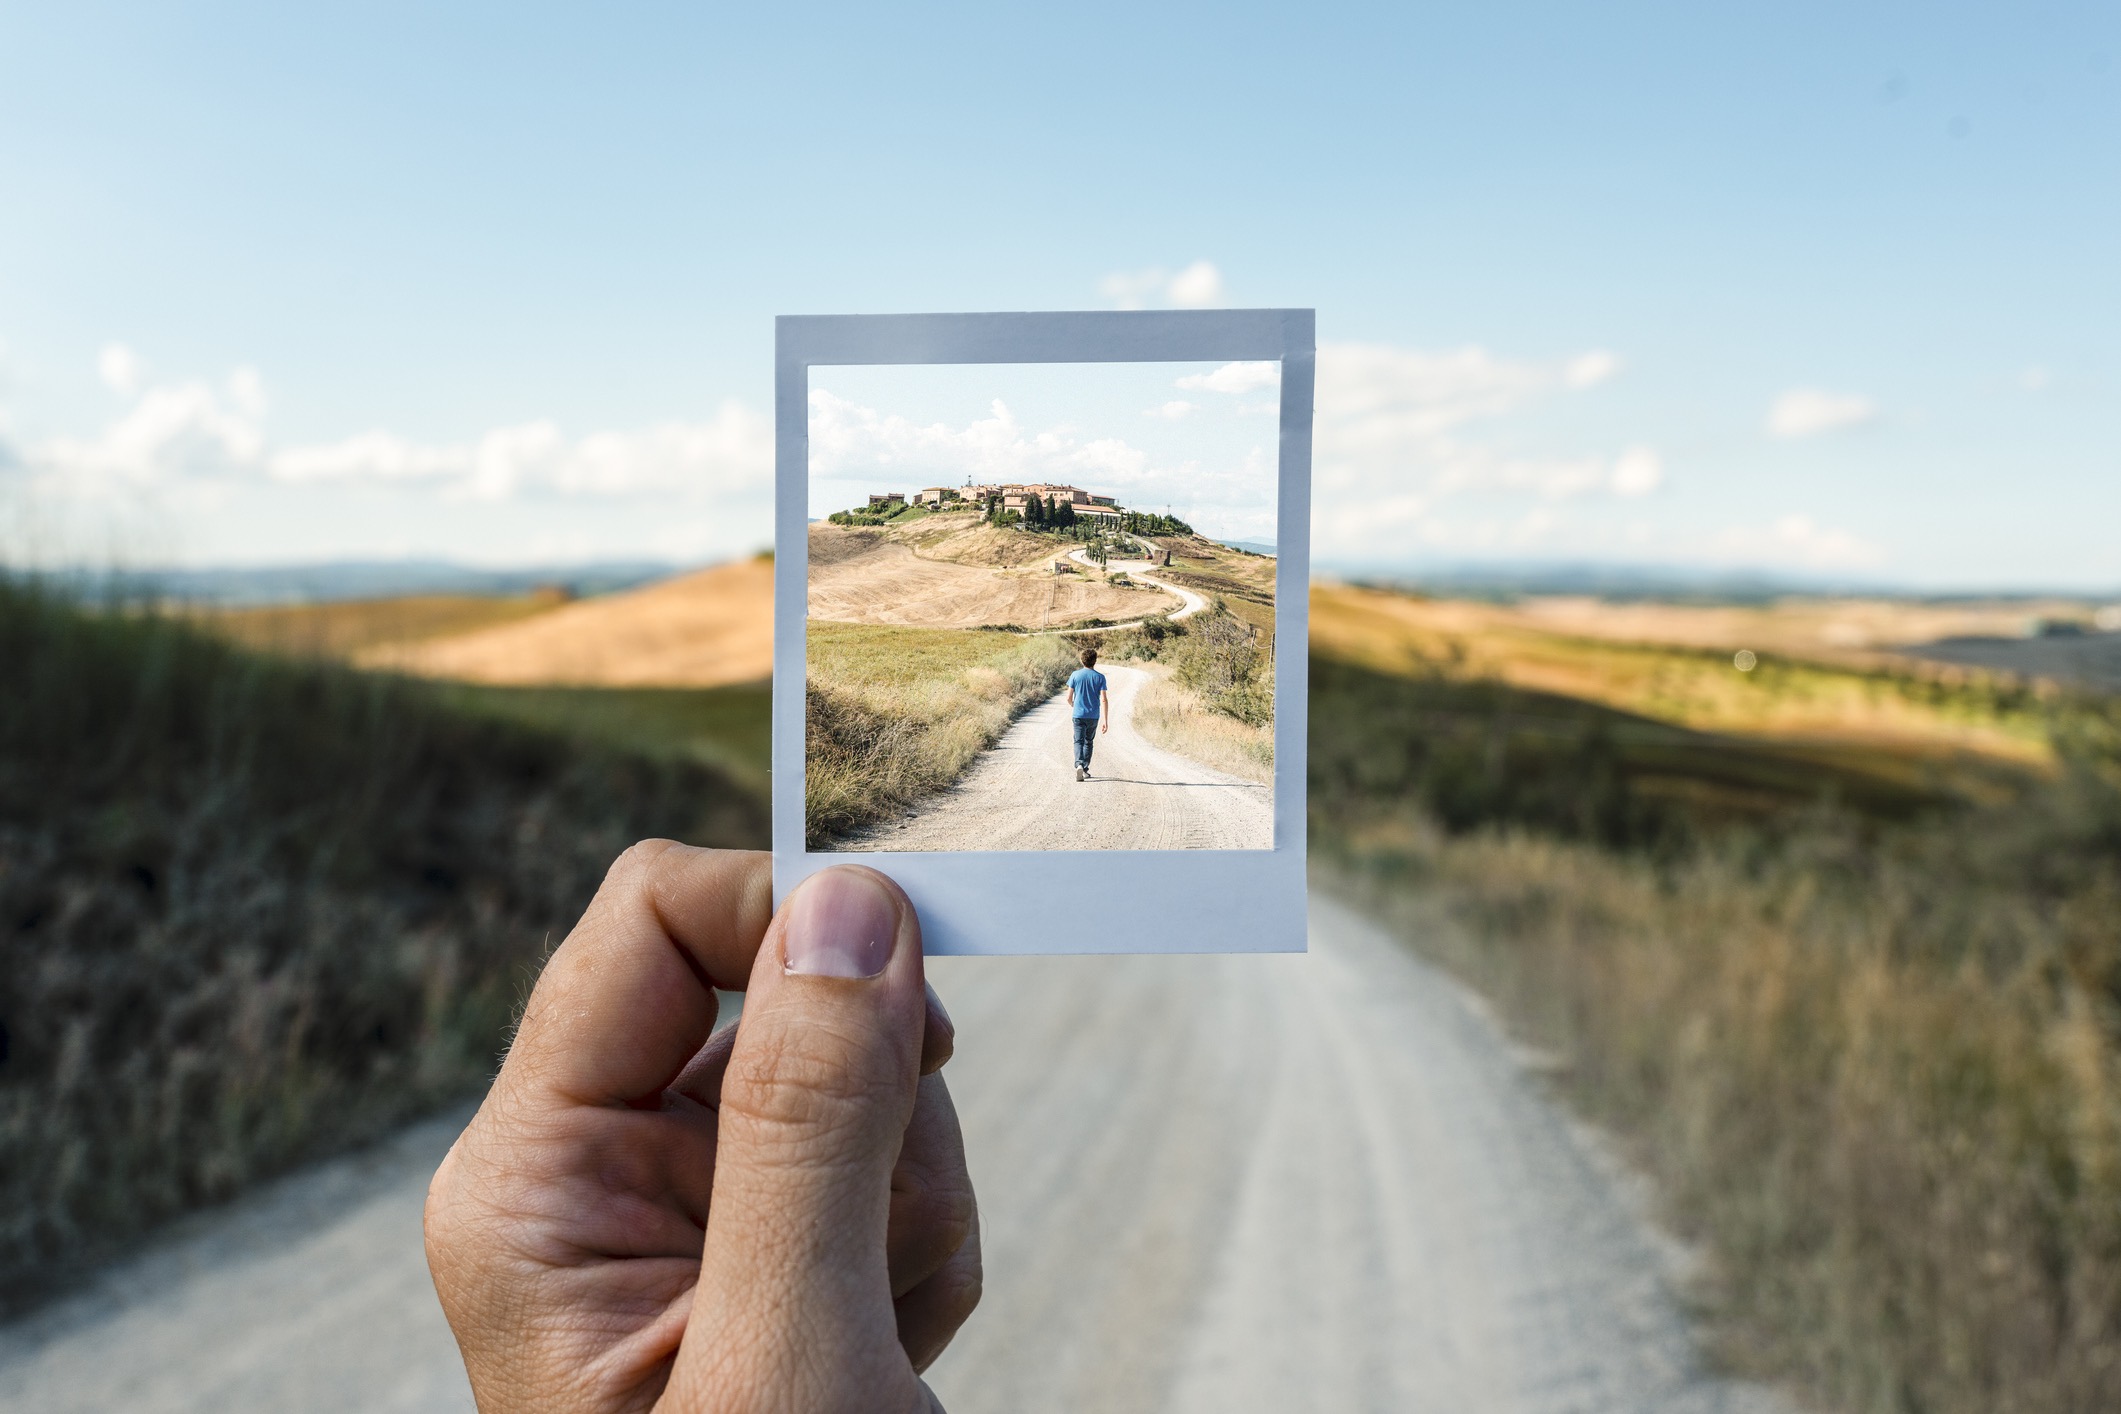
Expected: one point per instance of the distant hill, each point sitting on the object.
(1250, 547)
(357, 579)
(703, 629)
(1672, 583)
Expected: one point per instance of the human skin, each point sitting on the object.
(778, 1218)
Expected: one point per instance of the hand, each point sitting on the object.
(1104, 726)
(775, 1219)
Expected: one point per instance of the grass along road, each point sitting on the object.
(1022, 794)
(1231, 1184)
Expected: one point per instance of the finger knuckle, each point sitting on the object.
(959, 1288)
(799, 1080)
(938, 1203)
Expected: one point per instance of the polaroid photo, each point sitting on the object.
(1041, 622)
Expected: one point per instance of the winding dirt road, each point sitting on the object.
(1140, 572)
(1022, 793)
(1209, 1185)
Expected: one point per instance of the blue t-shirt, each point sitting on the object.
(1086, 683)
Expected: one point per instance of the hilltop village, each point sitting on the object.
(1042, 506)
(1000, 498)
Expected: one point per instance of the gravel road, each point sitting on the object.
(1140, 572)
(1022, 793)
(1229, 1184)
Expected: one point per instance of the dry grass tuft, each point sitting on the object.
(1866, 1036)
(1174, 718)
(893, 714)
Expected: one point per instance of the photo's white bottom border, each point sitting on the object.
(1007, 903)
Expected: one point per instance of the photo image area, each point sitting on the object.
(973, 533)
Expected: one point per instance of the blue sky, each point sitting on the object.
(1821, 290)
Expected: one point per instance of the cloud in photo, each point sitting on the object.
(1809, 412)
(855, 447)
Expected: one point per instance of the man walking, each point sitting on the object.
(1088, 700)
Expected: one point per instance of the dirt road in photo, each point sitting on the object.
(1208, 1185)
(1022, 794)
(1141, 572)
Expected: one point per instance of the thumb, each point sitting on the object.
(793, 1309)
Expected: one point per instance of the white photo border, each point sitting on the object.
(1229, 900)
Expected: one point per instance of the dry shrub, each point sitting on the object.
(253, 910)
(1170, 716)
(894, 714)
(1877, 1072)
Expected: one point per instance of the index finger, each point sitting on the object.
(628, 999)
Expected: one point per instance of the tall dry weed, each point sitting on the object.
(892, 715)
(1877, 1072)
(1169, 715)
(252, 911)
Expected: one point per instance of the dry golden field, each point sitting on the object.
(344, 628)
(950, 571)
(704, 629)
(1665, 663)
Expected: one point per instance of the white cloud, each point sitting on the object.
(1131, 289)
(1807, 412)
(120, 369)
(186, 438)
(1172, 411)
(171, 432)
(1637, 472)
(1197, 286)
(847, 438)
(1588, 370)
(2034, 379)
(1395, 442)
(734, 451)
(1235, 378)
(856, 449)
(246, 389)
(1796, 540)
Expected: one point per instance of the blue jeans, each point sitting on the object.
(1085, 738)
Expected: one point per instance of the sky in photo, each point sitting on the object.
(1194, 440)
(1820, 290)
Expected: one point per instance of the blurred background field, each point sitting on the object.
(1829, 941)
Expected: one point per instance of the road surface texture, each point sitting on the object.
(1022, 793)
(1227, 1184)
